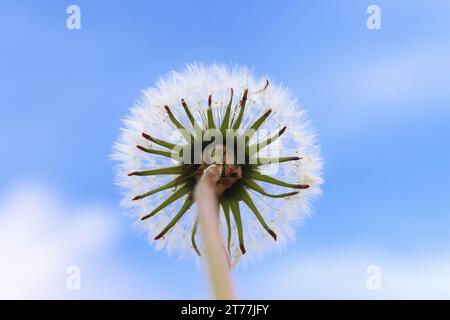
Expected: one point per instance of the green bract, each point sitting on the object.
(237, 177)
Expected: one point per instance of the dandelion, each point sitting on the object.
(249, 130)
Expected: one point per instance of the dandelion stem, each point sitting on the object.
(208, 207)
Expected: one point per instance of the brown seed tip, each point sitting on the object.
(242, 248)
(136, 198)
(283, 130)
(167, 108)
(302, 186)
(159, 236)
(244, 97)
(140, 147)
(209, 100)
(132, 174)
(198, 252)
(273, 234)
(146, 136)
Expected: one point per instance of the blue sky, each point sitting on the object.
(379, 99)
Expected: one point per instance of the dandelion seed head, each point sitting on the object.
(193, 86)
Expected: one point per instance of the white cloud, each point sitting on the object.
(343, 275)
(42, 233)
(394, 86)
(410, 75)
(40, 236)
